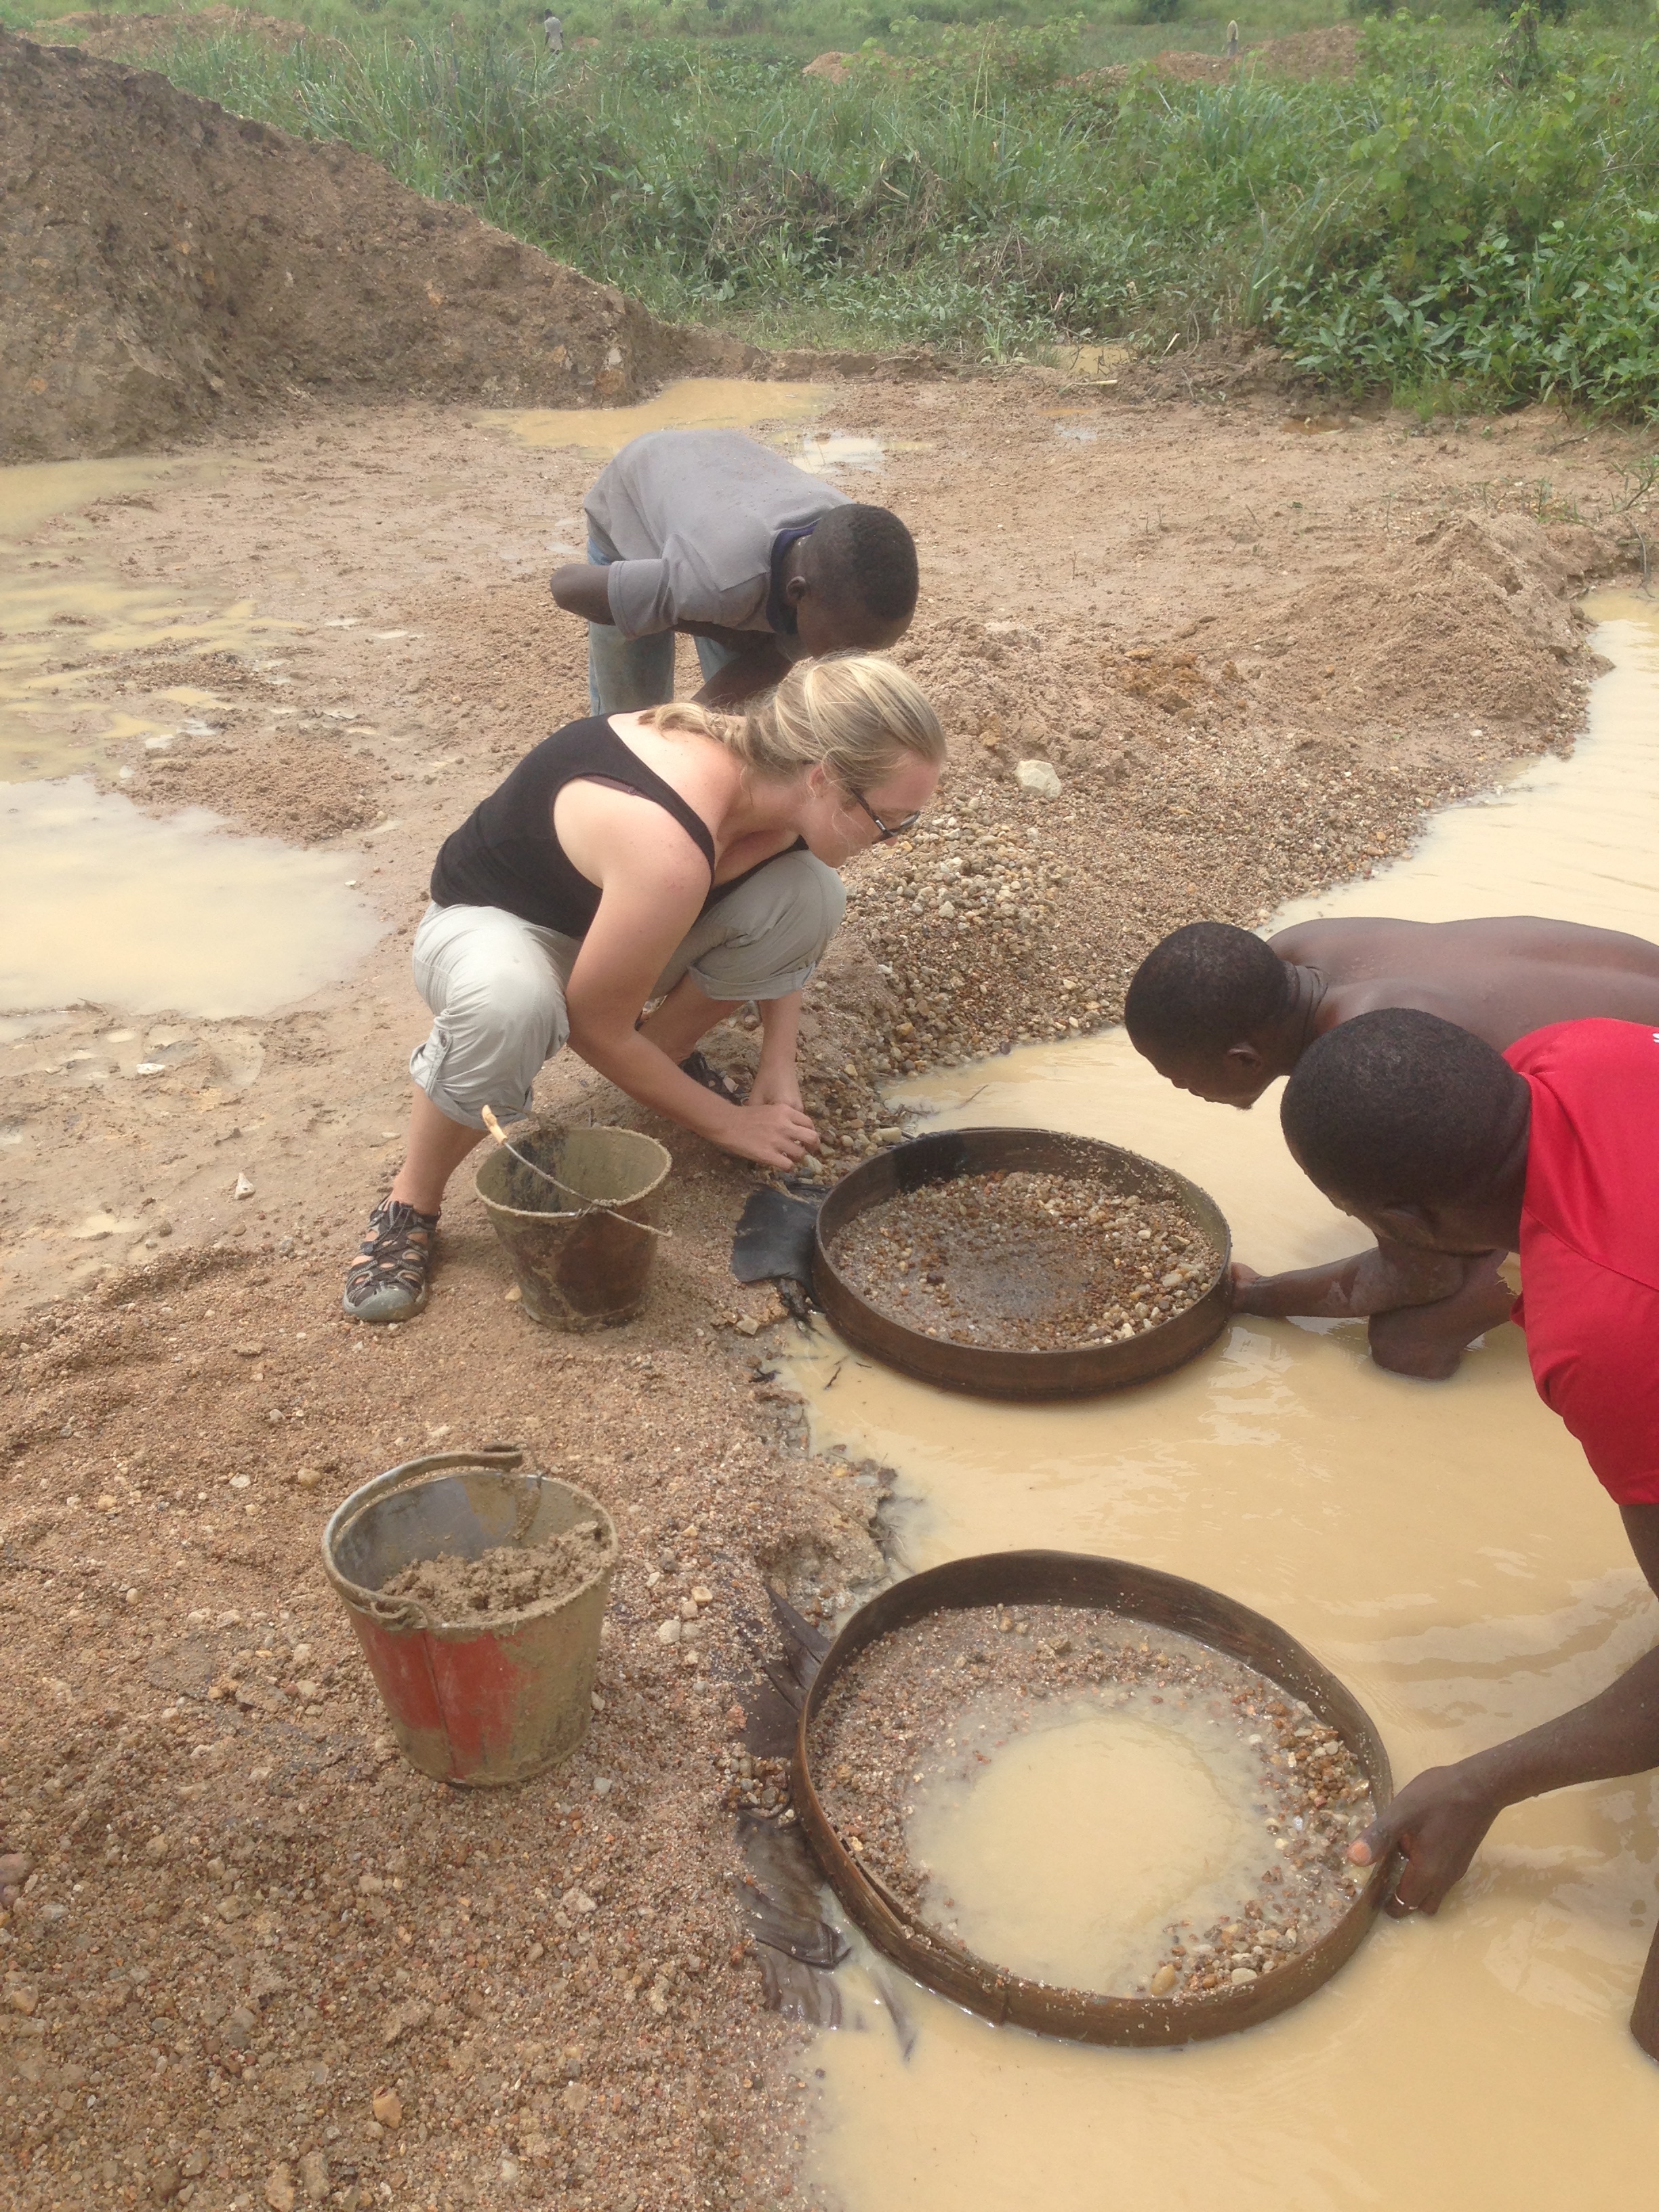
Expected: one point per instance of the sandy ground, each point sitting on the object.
(1252, 650)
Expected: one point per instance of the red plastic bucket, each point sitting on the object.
(481, 1703)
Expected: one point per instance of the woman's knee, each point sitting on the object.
(774, 931)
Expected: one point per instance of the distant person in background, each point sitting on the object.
(553, 30)
(707, 533)
(1223, 1014)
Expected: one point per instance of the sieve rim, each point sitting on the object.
(1127, 1590)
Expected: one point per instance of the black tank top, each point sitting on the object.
(506, 855)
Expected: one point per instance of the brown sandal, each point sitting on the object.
(387, 1280)
(712, 1078)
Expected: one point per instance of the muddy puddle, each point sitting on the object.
(122, 909)
(115, 906)
(66, 610)
(1442, 1547)
(704, 403)
(1065, 1854)
(714, 403)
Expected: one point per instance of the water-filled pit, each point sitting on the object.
(710, 402)
(117, 906)
(1442, 1547)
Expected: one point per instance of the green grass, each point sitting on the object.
(1473, 220)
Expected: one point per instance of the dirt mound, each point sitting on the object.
(136, 38)
(1331, 52)
(1477, 614)
(834, 69)
(164, 264)
(1303, 55)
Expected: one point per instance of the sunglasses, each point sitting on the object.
(887, 829)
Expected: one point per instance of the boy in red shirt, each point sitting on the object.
(1436, 1141)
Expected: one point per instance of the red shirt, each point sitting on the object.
(1590, 1243)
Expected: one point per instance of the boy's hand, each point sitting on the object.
(1437, 1821)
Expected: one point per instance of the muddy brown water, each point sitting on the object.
(710, 402)
(64, 607)
(1443, 1548)
(116, 907)
(704, 403)
(1012, 1847)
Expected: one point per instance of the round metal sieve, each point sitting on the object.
(1162, 1601)
(981, 1368)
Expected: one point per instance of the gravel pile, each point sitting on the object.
(1023, 1261)
(508, 1578)
(892, 1721)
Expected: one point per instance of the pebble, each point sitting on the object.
(307, 1478)
(244, 1188)
(388, 2108)
(279, 2190)
(669, 1632)
(165, 2183)
(1037, 777)
(1240, 1975)
(313, 2176)
(1162, 1981)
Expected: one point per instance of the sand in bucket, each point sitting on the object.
(583, 1255)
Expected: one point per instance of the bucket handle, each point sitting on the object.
(401, 1615)
(588, 1205)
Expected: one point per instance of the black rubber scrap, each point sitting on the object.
(775, 1236)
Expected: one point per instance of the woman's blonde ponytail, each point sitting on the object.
(853, 713)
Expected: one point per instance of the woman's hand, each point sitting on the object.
(775, 1133)
(777, 1086)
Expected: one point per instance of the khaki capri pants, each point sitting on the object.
(496, 984)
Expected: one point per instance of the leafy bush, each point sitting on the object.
(1494, 233)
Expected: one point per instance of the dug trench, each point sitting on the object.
(1251, 658)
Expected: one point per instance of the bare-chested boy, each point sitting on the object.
(1223, 1014)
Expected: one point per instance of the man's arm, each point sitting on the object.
(756, 670)
(1348, 1290)
(1439, 1819)
(583, 588)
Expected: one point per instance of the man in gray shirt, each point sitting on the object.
(706, 532)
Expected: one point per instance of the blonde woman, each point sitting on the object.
(678, 853)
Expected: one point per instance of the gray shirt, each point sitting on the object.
(692, 516)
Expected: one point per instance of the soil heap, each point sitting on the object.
(164, 264)
(136, 38)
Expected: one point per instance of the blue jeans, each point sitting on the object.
(627, 673)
